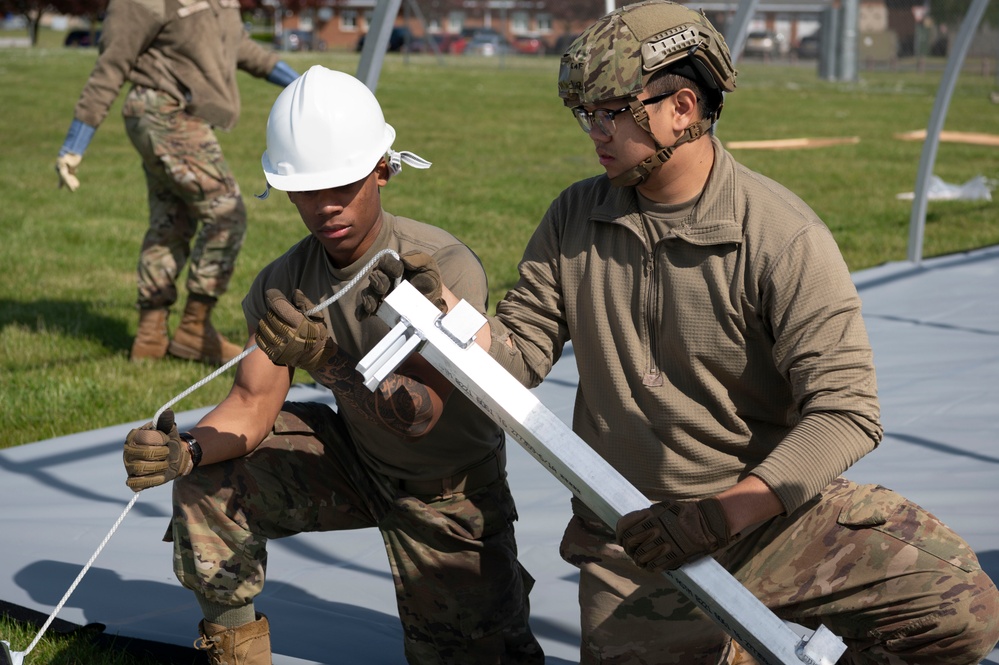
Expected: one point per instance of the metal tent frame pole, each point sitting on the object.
(376, 42)
(738, 29)
(917, 221)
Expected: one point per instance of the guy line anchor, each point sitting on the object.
(447, 342)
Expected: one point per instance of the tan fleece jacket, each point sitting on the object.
(189, 49)
(734, 345)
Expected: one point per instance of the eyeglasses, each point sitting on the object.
(604, 118)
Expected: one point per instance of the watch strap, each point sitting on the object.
(193, 447)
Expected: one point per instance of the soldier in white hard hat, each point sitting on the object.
(414, 459)
(724, 369)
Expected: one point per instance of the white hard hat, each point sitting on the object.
(326, 129)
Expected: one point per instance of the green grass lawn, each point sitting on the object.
(502, 146)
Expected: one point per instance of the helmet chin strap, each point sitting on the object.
(641, 172)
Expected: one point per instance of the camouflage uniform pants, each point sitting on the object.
(192, 195)
(462, 595)
(896, 584)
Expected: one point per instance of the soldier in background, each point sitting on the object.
(181, 61)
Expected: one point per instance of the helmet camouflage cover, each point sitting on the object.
(615, 57)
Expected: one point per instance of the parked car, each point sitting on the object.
(765, 44)
(450, 44)
(487, 44)
(471, 33)
(431, 44)
(299, 40)
(398, 39)
(529, 45)
(82, 38)
(808, 46)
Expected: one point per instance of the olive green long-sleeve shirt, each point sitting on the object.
(189, 49)
(733, 345)
(464, 435)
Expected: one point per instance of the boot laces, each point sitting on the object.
(213, 645)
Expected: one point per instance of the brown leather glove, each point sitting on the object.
(155, 455)
(418, 268)
(66, 166)
(289, 337)
(667, 535)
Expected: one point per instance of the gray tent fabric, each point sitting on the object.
(329, 596)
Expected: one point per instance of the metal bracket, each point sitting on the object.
(822, 648)
(446, 342)
(388, 354)
(8, 657)
(461, 324)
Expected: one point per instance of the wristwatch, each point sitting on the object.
(193, 447)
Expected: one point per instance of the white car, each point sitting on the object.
(765, 44)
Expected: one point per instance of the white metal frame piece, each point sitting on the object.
(447, 342)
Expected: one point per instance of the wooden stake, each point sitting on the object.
(792, 144)
(971, 138)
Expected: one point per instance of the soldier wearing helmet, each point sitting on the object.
(424, 466)
(635, 59)
(725, 371)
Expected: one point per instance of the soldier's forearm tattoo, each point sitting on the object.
(400, 404)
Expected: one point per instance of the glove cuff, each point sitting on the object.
(282, 74)
(714, 517)
(77, 138)
(330, 349)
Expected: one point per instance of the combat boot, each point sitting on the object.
(196, 339)
(249, 644)
(152, 338)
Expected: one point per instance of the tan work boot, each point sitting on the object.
(247, 645)
(196, 339)
(152, 338)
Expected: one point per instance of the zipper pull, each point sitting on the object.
(653, 379)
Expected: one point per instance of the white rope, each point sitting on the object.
(79, 577)
(247, 351)
(18, 656)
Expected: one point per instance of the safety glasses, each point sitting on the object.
(603, 119)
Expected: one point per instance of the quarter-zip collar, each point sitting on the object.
(715, 219)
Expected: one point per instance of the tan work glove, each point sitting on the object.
(289, 337)
(418, 268)
(66, 166)
(155, 455)
(667, 535)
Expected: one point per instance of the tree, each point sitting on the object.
(32, 11)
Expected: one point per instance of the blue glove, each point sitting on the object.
(282, 74)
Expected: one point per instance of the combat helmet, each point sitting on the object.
(617, 56)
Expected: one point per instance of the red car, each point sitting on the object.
(529, 45)
(450, 44)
